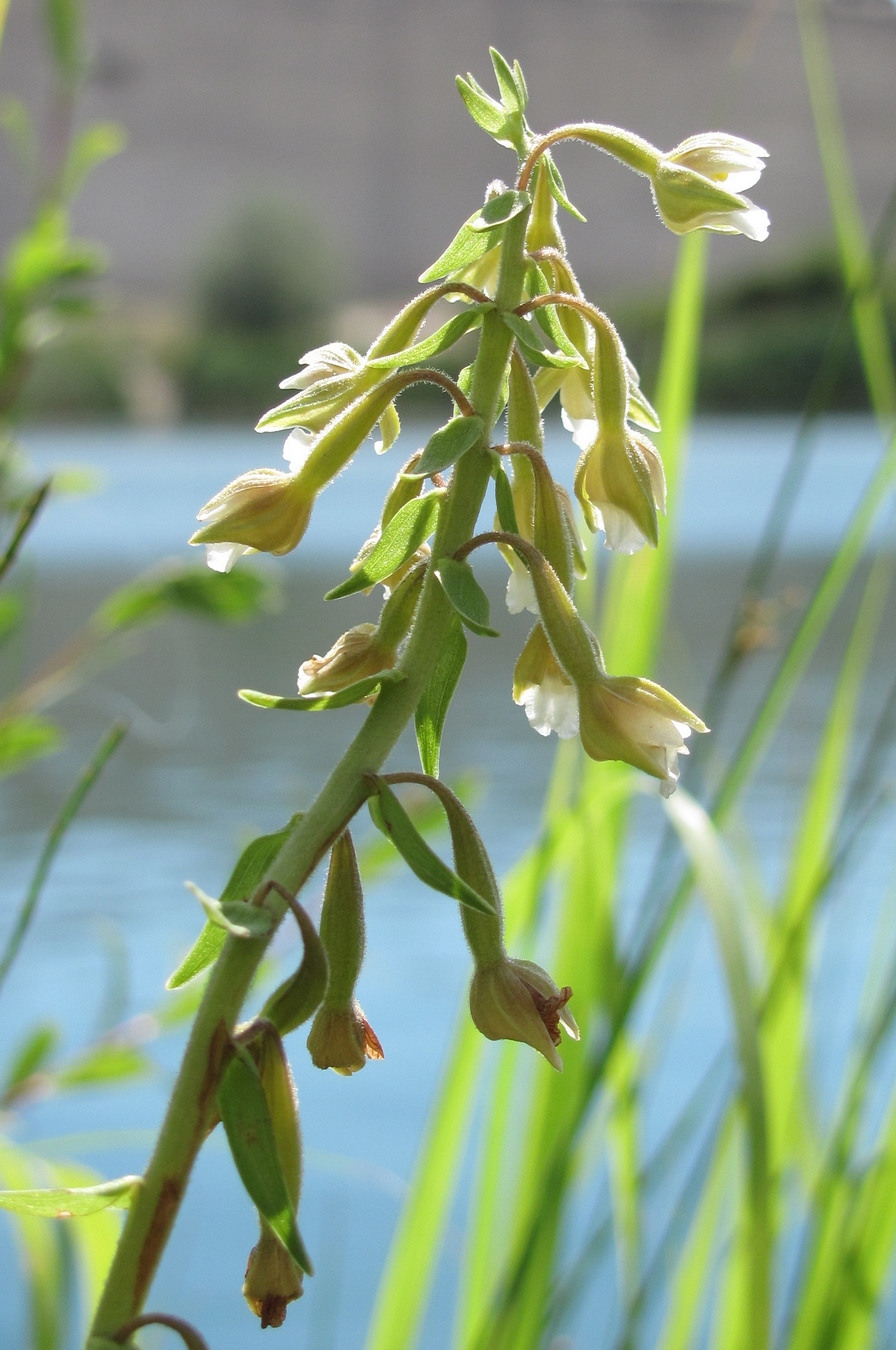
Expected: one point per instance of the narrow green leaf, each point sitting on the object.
(106, 749)
(248, 873)
(293, 1002)
(250, 1134)
(24, 739)
(532, 344)
(467, 247)
(236, 917)
(446, 446)
(431, 711)
(71, 1202)
(24, 523)
(399, 541)
(510, 94)
(105, 1063)
(230, 597)
(342, 698)
(485, 112)
(35, 1051)
(504, 502)
(437, 342)
(390, 816)
(466, 595)
(558, 191)
(499, 210)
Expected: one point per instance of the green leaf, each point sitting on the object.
(12, 609)
(485, 112)
(466, 595)
(507, 84)
(467, 247)
(88, 150)
(399, 541)
(558, 191)
(246, 876)
(446, 446)
(63, 20)
(70, 808)
(250, 1134)
(504, 502)
(390, 816)
(293, 1002)
(34, 1052)
(431, 711)
(531, 342)
(498, 210)
(69, 1202)
(342, 698)
(26, 738)
(437, 342)
(229, 597)
(237, 917)
(106, 1063)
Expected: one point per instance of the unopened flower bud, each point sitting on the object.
(273, 1280)
(358, 653)
(264, 510)
(518, 1001)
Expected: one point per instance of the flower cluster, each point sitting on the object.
(540, 338)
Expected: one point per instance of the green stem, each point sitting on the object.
(192, 1105)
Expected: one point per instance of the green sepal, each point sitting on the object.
(390, 429)
(466, 248)
(510, 82)
(504, 502)
(250, 869)
(293, 1002)
(236, 917)
(485, 112)
(446, 446)
(342, 698)
(311, 405)
(531, 343)
(499, 210)
(431, 711)
(250, 1134)
(557, 189)
(389, 815)
(437, 342)
(69, 1202)
(465, 595)
(548, 319)
(399, 541)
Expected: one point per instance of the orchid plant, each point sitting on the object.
(539, 339)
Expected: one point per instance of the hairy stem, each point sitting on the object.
(192, 1104)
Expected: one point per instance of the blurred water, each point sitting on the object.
(200, 772)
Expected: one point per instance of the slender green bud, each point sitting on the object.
(341, 1038)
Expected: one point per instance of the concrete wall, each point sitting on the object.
(349, 108)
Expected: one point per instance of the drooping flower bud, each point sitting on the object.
(341, 1038)
(355, 655)
(265, 511)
